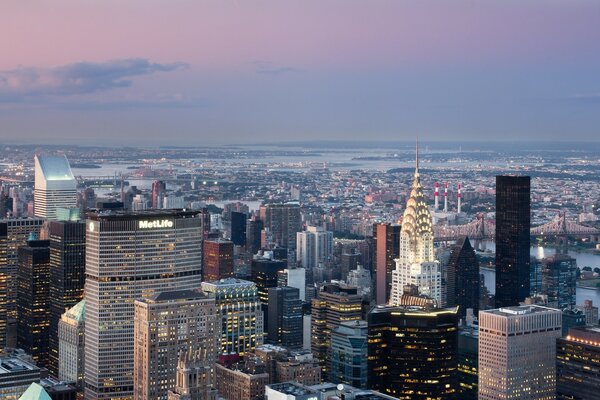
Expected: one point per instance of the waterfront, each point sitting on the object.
(583, 260)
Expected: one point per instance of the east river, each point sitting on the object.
(583, 260)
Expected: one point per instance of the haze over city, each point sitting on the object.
(213, 72)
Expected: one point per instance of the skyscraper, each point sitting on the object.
(513, 220)
(463, 278)
(283, 221)
(55, 186)
(254, 227)
(238, 228)
(33, 300)
(416, 264)
(386, 239)
(348, 354)
(191, 381)
(159, 192)
(314, 246)
(13, 234)
(517, 352)
(218, 260)
(71, 340)
(285, 320)
(578, 364)
(169, 324)
(241, 314)
(131, 255)
(413, 352)
(559, 280)
(335, 303)
(67, 277)
(264, 273)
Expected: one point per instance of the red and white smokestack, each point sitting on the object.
(459, 198)
(446, 197)
(437, 195)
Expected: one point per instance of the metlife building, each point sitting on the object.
(131, 255)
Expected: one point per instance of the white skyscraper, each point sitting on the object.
(131, 255)
(517, 353)
(417, 264)
(55, 186)
(313, 246)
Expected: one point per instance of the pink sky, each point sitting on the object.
(83, 69)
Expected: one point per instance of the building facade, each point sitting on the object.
(33, 300)
(517, 353)
(131, 255)
(283, 221)
(55, 186)
(386, 245)
(578, 364)
(166, 325)
(67, 277)
(463, 278)
(285, 322)
(559, 280)
(349, 351)
(218, 260)
(14, 233)
(314, 246)
(513, 220)
(241, 314)
(413, 352)
(335, 304)
(71, 345)
(416, 264)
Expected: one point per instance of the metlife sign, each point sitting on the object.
(159, 223)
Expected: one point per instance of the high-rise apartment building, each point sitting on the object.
(335, 304)
(416, 264)
(578, 364)
(513, 220)
(14, 233)
(463, 278)
(129, 256)
(67, 277)
(517, 353)
(218, 260)
(283, 221)
(348, 354)
(264, 272)
(55, 186)
(241, 314)
(413, 352)
(285, 322)
(71, 341)
(313, 246)
(169, 324)
(559, 280)
(386, 244)
(33, 300)
(294, 277)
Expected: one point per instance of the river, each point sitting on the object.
(583, 260)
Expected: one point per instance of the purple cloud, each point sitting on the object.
(27, 83)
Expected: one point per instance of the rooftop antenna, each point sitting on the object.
(417, 158)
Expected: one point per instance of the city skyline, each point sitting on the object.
(218, 73)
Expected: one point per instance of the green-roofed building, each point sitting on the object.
(35, 392)
(71, 328)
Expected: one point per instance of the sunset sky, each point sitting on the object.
(210, 72)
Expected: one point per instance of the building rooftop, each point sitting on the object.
(77, 312)
(124, 214)
(228, 282)
(55, 168)
(10, 365)
(520, 310)
(35, 392)
(175, 295)
(292, 388)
